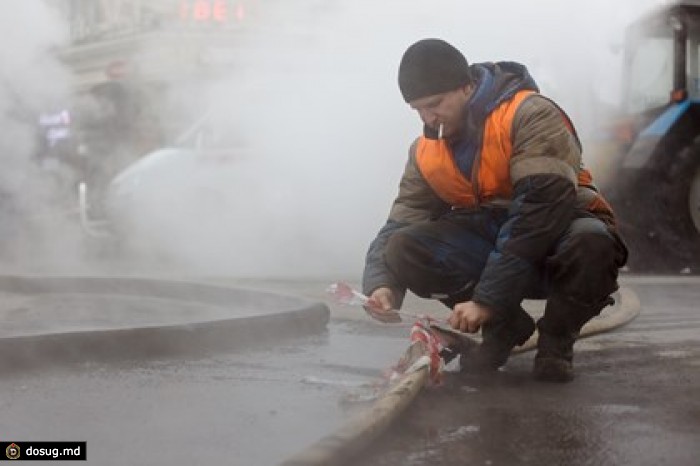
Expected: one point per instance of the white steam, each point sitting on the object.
(314, 102)
(31, 82)
(327, 131)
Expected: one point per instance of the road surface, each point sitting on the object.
(634, 400)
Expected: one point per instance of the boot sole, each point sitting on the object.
(553, 370)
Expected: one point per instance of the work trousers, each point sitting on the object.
(443, 259)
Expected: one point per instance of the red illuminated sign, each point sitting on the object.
(210, 11)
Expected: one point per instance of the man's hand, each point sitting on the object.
(469, 316)
(382, 299)
(381, 306)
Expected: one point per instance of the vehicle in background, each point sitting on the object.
(654, 144)
(186, 179)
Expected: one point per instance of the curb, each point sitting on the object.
(278, 317)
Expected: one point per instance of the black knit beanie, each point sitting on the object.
(431, 66)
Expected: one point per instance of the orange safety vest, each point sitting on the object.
(490, 177)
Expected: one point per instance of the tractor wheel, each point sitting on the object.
(694, 200)
(659, 215)
(678, 209)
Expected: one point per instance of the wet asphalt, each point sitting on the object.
(634, 400)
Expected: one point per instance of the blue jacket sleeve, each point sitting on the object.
(376, 274)
(415, 203)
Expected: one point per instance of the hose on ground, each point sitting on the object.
(357, 434)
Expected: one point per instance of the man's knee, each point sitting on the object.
(404, 251)
(586, 266)
(591, 244)
(413, 263)
(409, 261)
(594, 250)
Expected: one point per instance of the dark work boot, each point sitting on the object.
(554, 359)
(558, 330)
(499, 339)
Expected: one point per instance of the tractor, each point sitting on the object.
(653, 182)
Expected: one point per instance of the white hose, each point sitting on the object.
(357, 434)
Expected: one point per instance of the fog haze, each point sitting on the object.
(326, 132)
(31, 81)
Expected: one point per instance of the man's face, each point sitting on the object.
(445, 109)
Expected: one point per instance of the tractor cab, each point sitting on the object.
(654, 181)
(661, 58)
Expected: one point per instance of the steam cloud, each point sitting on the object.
(31, 82)
(323, 130)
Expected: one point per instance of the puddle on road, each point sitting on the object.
(618, 409)
(453, 435)
(327, 382)
(674, 354)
